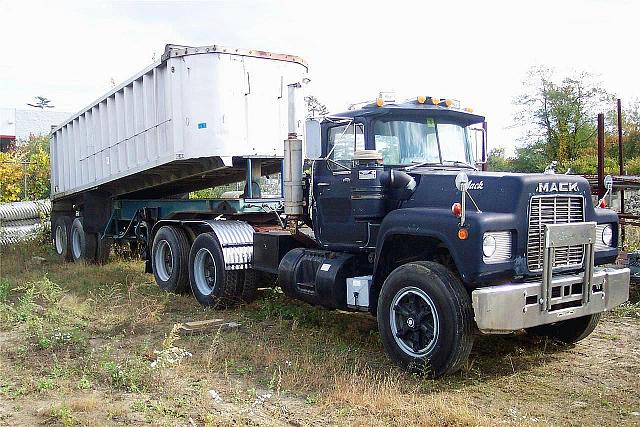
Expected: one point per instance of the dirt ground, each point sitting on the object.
(98, 345)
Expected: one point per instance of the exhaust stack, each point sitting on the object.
(292, 164)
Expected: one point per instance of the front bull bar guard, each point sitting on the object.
(563, 235)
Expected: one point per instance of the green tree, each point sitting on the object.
(558, 116)
(315, 107)
(497, 161)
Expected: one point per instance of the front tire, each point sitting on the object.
(170, 259)
(212, 285)
(568, 331)
(425, 319)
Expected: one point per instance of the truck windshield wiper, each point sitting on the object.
(420, 164)
(459, 163)
(454, 162)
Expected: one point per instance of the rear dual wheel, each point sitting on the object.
(212, 285)
(72, 243)
(177, 265)
(170, 259)
(61, 237)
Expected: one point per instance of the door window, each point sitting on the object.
(343, 142)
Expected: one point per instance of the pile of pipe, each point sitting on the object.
(21, 221)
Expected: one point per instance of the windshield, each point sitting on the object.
(421, 140)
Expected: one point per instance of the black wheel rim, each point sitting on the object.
(414, 321)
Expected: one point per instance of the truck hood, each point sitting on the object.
(493, 191)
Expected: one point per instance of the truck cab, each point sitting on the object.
(406, 226)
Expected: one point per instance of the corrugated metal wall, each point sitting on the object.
(194, 106)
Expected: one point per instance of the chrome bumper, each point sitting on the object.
(513, 306)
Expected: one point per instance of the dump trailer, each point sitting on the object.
(384, 209)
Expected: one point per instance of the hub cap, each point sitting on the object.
(414, 321)
(163, 260)
(204, 268)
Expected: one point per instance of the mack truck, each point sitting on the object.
(382, 209)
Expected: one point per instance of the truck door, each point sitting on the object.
(333, 220)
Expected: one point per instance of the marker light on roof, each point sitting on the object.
(435, 101)
(448, 102)
(469, 110)
(421, 99)
(379, 102)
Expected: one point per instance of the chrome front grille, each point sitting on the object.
(553, 209)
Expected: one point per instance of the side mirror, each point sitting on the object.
(462, 182)
(608, 182)
(479, 145)
(312, 140)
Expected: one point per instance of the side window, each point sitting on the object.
(343, 142)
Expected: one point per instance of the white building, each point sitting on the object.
(16, 124)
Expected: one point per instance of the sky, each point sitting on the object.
(475, 51)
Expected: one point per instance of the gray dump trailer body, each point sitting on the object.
(185, 122)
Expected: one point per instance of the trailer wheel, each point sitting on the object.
(170, 258)
(103, 249)
(425, 319)
(83, 245)
(212, 285)
(61, 237)
(568, 331)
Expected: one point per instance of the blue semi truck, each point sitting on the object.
(391, 216)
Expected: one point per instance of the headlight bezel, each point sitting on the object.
(500, 244)
(489, 245)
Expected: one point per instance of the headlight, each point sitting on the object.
(496, 246)
(607, 235)
(488, 245)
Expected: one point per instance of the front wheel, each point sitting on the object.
(425, 319)
(568, 331)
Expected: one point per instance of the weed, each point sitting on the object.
(84, 383)
(132, 377)
(312, 399)
(45, 384)
(170, 355)
(62, 414)
(5, 286)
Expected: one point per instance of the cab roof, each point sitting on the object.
(408, 108)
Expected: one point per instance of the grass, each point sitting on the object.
(90, 345)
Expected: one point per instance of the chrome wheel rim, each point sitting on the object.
(414, 321)
(61, 239)
(163, 259)
(204, 269)
(76, 244)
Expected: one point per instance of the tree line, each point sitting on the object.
(558, 120)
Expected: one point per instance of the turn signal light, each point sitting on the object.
(603, 203)
(456, 209)
(469, 110)
(421, 99)
(379, 102)
(463, 233)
